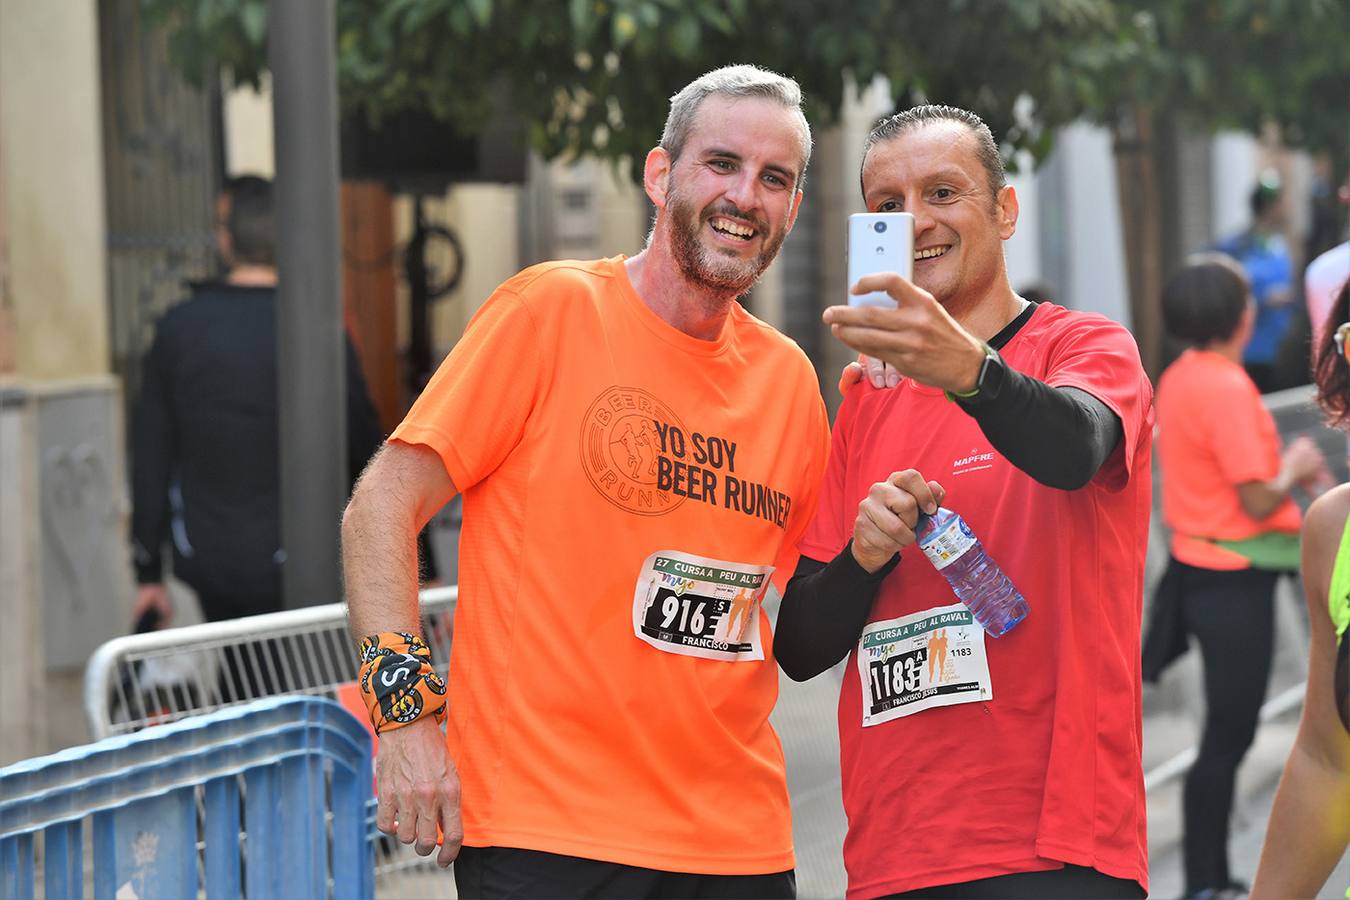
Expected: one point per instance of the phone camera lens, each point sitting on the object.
(880, 227)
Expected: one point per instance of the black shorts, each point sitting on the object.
(1068, 883)
(506, 873)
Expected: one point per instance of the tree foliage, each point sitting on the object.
(1239, 64)
(591, 76)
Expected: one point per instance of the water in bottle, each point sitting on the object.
(975, 578)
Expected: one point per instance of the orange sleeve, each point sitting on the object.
(1244, 441)
(474, 409)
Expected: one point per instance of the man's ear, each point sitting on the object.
(1007, 211)
(656, 176)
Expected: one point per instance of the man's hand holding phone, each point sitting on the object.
(899, 328)
(917, 337)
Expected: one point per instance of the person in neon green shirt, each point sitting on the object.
(1310, 823)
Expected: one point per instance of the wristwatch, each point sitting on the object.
(989, 381)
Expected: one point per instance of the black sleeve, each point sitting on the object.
(152, 463)
(823, 612)
(1058, 436)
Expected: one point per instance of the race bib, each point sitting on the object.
(701, 607)
(930, 658)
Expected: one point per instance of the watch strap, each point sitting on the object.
(989, 354)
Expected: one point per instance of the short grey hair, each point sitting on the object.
(737, 81)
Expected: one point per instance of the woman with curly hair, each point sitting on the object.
(1310, 822)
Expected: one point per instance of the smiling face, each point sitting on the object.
(934, 172)
(731, 197)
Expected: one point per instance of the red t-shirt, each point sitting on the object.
(1048, 770)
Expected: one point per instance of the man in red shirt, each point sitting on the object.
(1013, 769)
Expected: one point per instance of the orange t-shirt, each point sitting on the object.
(626, 487)
(1214, 433)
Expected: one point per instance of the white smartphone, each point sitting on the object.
(879, 242)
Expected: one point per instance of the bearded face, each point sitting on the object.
(722, 268)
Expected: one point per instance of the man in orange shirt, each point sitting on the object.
(623, 484)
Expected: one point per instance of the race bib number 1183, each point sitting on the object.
(926, 659)
(697, 606)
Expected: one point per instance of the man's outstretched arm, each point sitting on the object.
(401, 489)
(399, 492)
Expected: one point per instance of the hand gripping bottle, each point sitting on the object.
(975, 578)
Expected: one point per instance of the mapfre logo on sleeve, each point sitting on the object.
(621, 450)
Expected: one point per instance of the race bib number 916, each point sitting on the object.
(697, 606)
(932, 658)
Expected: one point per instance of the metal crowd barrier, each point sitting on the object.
(162, 676)
(268, 799)
(139, 680)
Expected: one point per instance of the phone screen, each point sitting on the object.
(879, 242)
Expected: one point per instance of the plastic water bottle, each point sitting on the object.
(975, 578)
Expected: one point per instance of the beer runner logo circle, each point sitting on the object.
(620, 448)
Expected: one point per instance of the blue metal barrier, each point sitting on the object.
(267, 800)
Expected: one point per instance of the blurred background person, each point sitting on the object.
(1226, 498)
(1264, 255)
(1329, 269)
(205, 472)
(1322, 281)
(1309, 825)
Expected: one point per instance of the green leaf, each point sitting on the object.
(419, 14)
(684, 37)
(582, 15)
(482, 11)
(253, 16)
(719, 20)
(461, 21)
(530, 30)
(623, 28)
(1027, 13)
